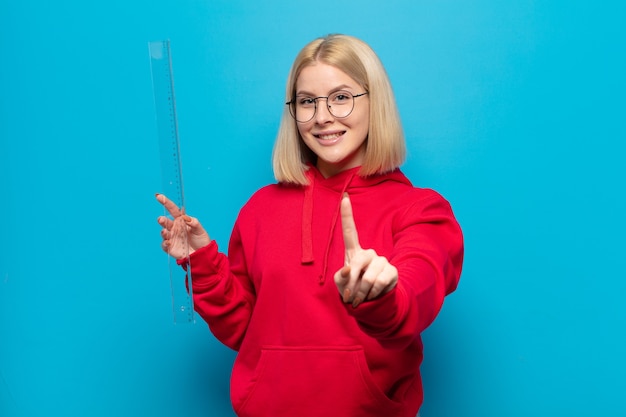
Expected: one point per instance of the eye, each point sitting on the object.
(306, 101)
(341, 97)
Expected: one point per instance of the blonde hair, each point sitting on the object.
(385, 145)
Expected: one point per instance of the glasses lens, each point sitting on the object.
(302, 108)
(340, 104)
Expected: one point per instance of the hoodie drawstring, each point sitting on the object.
(322, 277)
(307, 220)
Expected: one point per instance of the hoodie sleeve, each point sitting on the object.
(428, 253)
(223, 295)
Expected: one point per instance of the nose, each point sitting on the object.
(323, 114)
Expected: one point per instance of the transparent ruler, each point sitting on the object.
(171, 169)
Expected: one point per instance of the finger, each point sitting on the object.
(193, 224)
(165, 222)
(169, 205)
(171, 249)
(388, 279)
(342, 278)
(196, 229)
(372, 274)
(350, 235)
(359, 263)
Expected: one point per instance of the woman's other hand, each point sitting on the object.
(183, 235)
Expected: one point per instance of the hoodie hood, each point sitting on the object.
(347, 181)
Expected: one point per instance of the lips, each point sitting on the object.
(329, 136)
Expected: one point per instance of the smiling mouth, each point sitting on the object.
(330, 136)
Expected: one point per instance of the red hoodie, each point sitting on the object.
(302, 351)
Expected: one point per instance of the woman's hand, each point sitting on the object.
(365, 275)
(183, 235)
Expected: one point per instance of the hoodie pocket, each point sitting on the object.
(311, 381)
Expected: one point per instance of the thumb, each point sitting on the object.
(342, 278)
(195, 228)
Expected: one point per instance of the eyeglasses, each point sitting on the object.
(340, 104)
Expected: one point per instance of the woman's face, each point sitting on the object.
(339, 143)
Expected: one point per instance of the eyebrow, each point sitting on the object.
(338, 88)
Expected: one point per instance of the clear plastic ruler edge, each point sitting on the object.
(171, 167)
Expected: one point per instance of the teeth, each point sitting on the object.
(328, 137)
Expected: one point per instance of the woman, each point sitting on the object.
(333, 272)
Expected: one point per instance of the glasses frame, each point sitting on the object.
(292, 110)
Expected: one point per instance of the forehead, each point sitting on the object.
(321, 78)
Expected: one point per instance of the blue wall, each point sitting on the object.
(514, 110)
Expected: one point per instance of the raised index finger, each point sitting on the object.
(169, 205)
(350, 235)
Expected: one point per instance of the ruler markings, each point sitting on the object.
(171, 167)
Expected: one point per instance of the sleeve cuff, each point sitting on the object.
(376, 315)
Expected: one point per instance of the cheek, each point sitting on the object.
(303, 129)
(304, 138)
(362, 129)
(362, 123)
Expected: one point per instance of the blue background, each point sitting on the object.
(514, 110)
